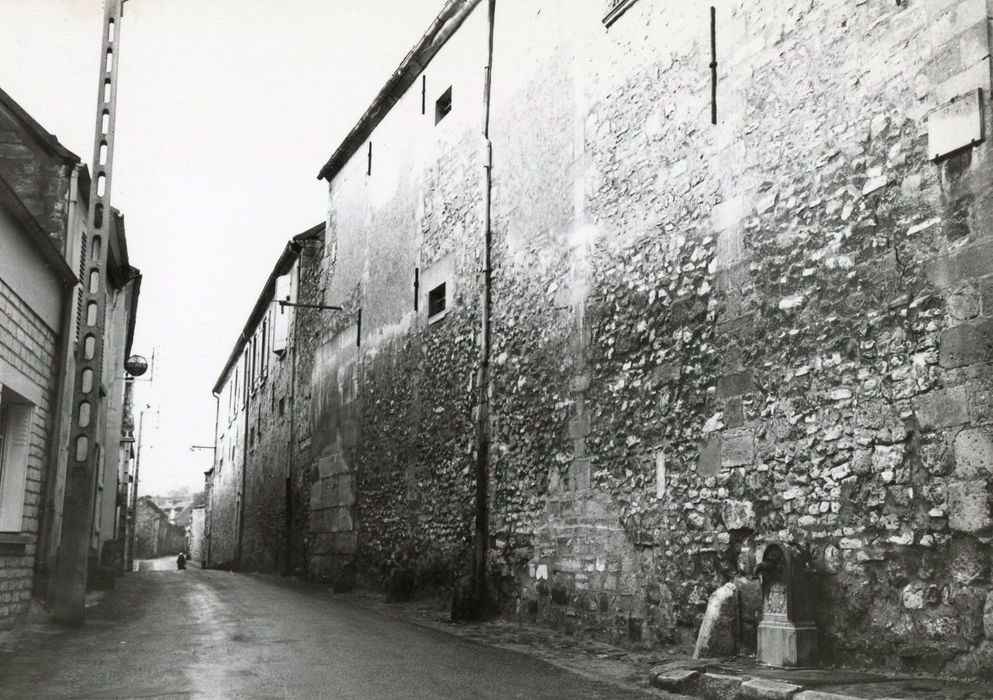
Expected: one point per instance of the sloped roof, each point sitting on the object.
(290, 254)
(442, 28)
(36, 234)
(43, 137)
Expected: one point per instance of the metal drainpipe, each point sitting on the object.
(290, 462)
(244, 471)
(134, 491)
(208, 518)
(478, 582)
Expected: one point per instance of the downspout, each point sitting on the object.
(209, 517)
(134, 492)
(290, 454)
(244, 474)
(57, 418)
(479, 589)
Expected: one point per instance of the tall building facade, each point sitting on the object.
(44, 198)
(253, 499)
(738, 262)
(630, 289)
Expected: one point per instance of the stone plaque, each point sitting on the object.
(957, 125)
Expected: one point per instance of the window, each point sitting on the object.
(264, 355)
(443, 105)
(436, 285)
(15, 428)
(436, 301)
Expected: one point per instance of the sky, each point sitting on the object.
(226, 111)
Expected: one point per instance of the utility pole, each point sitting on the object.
(67, 589)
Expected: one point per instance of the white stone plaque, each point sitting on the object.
(957, 125)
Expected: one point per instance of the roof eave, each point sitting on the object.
(441, 29)
(47, 140)
(36, 233)
(289, 255)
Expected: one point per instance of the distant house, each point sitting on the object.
(155, 536)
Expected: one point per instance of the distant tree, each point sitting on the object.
(200, 498)
(180, 493)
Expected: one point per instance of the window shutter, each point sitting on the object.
(15, 466)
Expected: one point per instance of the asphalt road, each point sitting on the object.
(176, 634)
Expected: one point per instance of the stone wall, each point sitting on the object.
(763, 328)
(706, 336)
(155, 536)
(27, 348)
(391, 432)
(255, 458)
(224, 497)
(267, 468)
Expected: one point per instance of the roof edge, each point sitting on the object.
(37, 234)
(291, 252)
(439, 32)
(48, 140)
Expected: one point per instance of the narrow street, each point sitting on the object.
(215, 634)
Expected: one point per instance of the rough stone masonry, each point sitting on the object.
(706, 336)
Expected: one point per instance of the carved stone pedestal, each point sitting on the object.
(786, 644)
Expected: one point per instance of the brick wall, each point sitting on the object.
(705, 336)
(28, 346)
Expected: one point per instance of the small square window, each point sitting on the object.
(443, 105)
(436, 301)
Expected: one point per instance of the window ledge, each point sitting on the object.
(15, 538)
(437, 317)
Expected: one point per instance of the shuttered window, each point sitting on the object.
(15, 430)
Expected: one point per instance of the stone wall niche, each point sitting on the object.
(787, 636)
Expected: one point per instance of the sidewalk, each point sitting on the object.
(744, 678)
(675, 677)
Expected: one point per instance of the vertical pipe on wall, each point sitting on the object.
(478, 581)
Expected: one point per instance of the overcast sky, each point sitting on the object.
(226, 111)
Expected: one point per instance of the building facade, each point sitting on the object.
(37, 235)
(252, 493)
(738, 285)
(45, 202)
(155, 535)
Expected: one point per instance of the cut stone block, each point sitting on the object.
(719, 629)
(968, 506)
(765, 689)
(680, 680)
(718, 686)
(957, 125)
